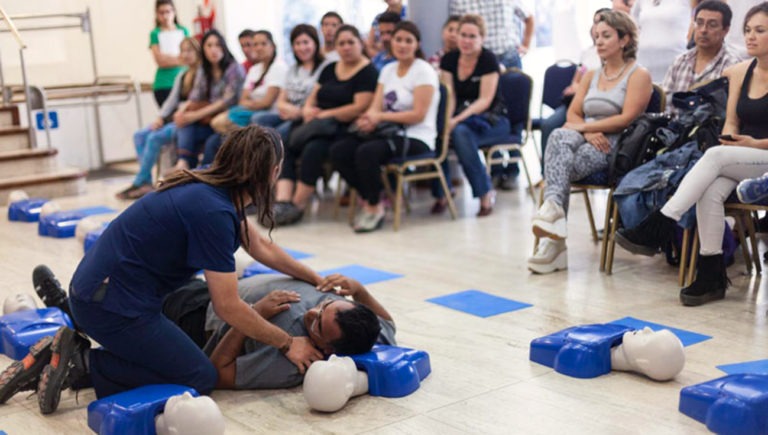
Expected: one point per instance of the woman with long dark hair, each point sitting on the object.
(164, 42)
(217, 88)
(196, 220)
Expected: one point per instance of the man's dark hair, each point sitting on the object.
(247, 33)
(451, 19)
(389, 17)
(359, 329)
(716, 6)
(332, 14)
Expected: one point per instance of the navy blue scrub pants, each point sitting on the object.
(138, 351)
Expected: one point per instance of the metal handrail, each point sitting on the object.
(27, 93)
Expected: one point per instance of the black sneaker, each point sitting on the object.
(48, 288)
(287, 214)
(24, 375)
(649, 237)
(67, 368)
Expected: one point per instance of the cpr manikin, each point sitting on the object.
(328, 385)
(187, 415)
(656, 354)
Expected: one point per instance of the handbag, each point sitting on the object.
(239, 115)
(318, 127)
(387, 131)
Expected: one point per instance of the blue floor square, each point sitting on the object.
(478, 303)
(687, 337)
(365, 275)
(759, 366)
(297, 255)
(257, 268)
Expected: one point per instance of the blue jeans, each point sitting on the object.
(510, 58)
(190, 140)
(466, 142)
(144, 350)
(148, 143)
(212, 145)
(548, 125)
(269, 119)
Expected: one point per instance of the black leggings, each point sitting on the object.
(309, 157)
(359, 163)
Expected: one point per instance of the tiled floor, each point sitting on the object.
(482, 380)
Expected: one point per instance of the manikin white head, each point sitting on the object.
(328, 385)
(187, 415)
(19, 302)
(656, 354)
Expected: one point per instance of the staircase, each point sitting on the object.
(33, 170)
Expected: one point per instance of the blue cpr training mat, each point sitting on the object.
(22, 329)
(26, 210)
(393, 371)
(580, 351)
(478, 303)
(93, 236)
(62, 224)
(733, 404)
(132, 412)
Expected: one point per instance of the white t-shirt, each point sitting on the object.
(663, 31)
(275, 78)
(398, 97)
(299, 83)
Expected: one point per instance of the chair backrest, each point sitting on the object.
(515, 88)
(658, 101)
(557, 77)
(443, 117)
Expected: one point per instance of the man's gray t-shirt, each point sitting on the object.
(262, 366)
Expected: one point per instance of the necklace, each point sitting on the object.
(616, 76)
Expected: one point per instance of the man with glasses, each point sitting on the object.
(334, 323)
(707, 60)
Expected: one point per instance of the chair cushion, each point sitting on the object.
(401, 160)
(596, 179)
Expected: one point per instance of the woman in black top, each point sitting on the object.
(473, 73)
(342, 93)
(743, 154)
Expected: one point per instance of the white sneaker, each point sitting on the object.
(551, 255)
(550, 221)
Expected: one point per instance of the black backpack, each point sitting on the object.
(637, 144)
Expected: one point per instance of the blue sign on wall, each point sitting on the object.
(53, 120)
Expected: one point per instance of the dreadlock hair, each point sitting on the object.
(244, 164)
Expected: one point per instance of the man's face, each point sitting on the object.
(246, 44)
(385, 34)
(708, 30)
(321, 324)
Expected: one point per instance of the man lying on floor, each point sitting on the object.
(331, 321)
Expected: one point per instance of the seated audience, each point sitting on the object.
(479, 117)
(407, 95)
(150, 140)
(387, 23)
(743, 155)
(450, 30)
(216, 89)
(710, 56)
(663, 33)
(373, 41)
(245, 38)
(607, 101)
(329, 24)
(343, 92)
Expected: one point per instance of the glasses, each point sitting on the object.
(317, 325)
(710, 25)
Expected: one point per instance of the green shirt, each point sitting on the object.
(164, 76)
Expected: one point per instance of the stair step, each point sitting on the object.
(62, 182)
(9, 116)
(14, 138)
(27, 162)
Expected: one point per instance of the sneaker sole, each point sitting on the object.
(547, 230)
(633, 247)
(748, 197)
(55, 373)
(21, 373)
(695, 301)
(559, 263)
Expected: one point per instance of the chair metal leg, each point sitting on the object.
(682, 268)
(337, 198)
(694, 257)
(753, 242)
(614, 227)
(398, 200)
(740, 230)
(541, 201)
(352, 206)
(528, 177)
(590, 216)
(451, 205)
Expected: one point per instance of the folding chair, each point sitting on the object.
(557, 77)
(515, 87)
